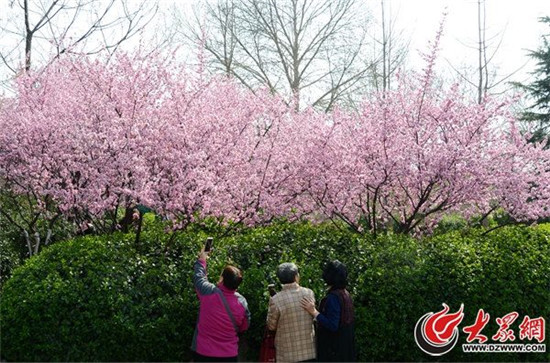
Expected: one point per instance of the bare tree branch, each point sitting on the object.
(51, 28)
(286, 45)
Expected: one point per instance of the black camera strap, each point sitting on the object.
(225, 303)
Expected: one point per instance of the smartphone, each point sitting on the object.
(208, 244)
(271, 288)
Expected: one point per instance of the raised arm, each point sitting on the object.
(200, 278)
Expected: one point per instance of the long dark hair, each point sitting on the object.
(335, 275)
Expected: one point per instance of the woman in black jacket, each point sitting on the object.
(335, 317)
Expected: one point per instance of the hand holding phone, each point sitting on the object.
(208, 244)
(271, 289)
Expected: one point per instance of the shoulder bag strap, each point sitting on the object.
(226, 305)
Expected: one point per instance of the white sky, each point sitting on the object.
(513, 23)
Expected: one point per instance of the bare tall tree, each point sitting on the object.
(312, 51)
(391, 49)
(52, 27)
(483, 64)
(485, 78)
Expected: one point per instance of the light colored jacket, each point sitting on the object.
(295, 336)
(215, 334)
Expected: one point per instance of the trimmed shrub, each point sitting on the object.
(106, 299)
(98, 299)
(506, 270)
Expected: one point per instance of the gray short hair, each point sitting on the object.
(287, 272)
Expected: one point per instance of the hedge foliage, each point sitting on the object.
(108, 299)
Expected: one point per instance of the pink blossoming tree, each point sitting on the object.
(414, 154)
(88, 141)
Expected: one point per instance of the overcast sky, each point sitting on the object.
(512, 27)
(513, 23)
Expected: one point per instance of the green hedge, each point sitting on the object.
(107, 299)
(97, 299)
(504, 271)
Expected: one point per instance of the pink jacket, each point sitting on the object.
(215, 334)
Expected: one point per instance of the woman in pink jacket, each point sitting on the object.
(223, 313)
